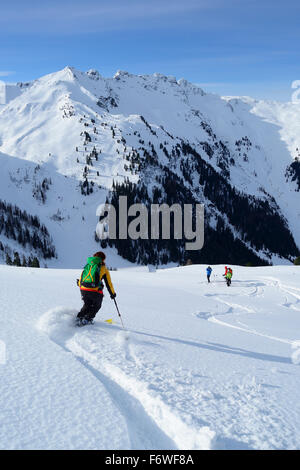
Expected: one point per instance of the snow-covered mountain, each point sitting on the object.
(69, 141)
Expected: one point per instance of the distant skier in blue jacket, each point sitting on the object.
(208, 273)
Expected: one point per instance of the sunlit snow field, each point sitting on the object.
(203, 367)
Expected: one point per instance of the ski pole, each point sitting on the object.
(119, 313)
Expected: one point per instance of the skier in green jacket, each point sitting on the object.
(91, 287)
(228, 276)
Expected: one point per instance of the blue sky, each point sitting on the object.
(235, 47)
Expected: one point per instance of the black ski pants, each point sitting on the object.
(92, 302)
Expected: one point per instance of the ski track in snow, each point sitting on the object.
(151, 423)
(224, 308)
(153, 399)
(205, 366)
(258, 291)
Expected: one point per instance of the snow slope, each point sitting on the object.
(205, 366)
(279, 131)
(69, 217)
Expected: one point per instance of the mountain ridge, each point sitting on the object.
(98, 133)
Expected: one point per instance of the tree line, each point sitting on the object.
(27, 231)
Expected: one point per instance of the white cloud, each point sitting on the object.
(6, 73)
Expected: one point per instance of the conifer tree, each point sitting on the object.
(8, 260)
(35, 263)
(17, 261)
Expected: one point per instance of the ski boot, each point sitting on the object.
(83, 322)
